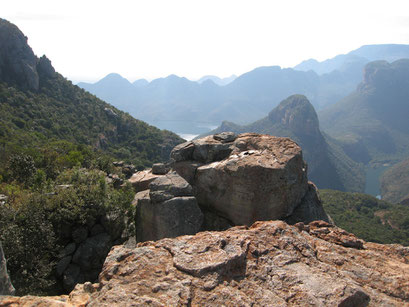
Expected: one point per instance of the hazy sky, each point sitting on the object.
(86, 40)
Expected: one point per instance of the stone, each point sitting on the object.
(169, 186)
(44, 68)
(6, 288)
(62, 265)
(208, 149)
(118, 163)
(97, 229)
(182, 152)
(79, 234)
(128, 170)
(310, 209)
(174, 217)
(71, 276)
(225, 137)
(268, 264)
(160, 169)
(263, 178)
(68, 250)
(169, 209)
(141, 180)
(18, 65)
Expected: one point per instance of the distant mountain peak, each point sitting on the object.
(297, 114)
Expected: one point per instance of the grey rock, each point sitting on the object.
(187, 169)
(118, 163)
(91, 253)
(68, 250)
(6, 288)
(225, 137)
(18, 62)
(310, 209)
(141, 180)
(160, 169)
(263, 178)
(111, 113)
(182, 152)
(80, 234)
(171, 218)
(169, 186)
(208, 150)
(96, 229)
(62, 265)
(44, 68)
(71, 276)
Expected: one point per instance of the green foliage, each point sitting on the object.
(21, 168)
(367, 217)
(62, 112)
(33, 223)
(395, 182)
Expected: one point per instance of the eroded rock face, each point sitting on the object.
(6, 288)
(268, 264)
(167, 209)
(244, 178)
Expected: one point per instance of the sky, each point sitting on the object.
(86, 40)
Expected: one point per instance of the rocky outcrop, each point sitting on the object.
(86, 248)
(233, 179)
(267, 264)
(17, 60)
(168, 209)
(6, 288)
(245, 178)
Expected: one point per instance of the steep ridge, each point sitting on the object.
(295, 117)
(184, 106)
(372, 122)
(38, 105)
(269, 263)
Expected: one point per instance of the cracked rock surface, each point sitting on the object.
(267, 264)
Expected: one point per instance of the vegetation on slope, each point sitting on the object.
(395, 183)
(368, 217)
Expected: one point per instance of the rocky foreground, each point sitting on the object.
(267, 264)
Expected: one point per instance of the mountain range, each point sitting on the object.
(185, 106)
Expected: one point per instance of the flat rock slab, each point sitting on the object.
(268, 264)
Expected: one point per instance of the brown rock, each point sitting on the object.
(263, 178)
(268, 264)
(141, 180)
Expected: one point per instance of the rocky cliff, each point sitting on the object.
(18, 64)
(6, 288)
(267, 264)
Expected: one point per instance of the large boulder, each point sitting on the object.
(244, 178)
(167, 209)
(6, 288)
